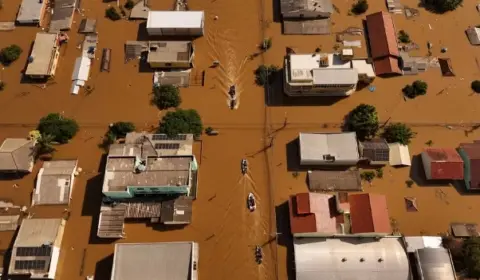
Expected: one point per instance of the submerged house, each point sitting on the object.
(43, 60)
(54, 184)
(36, 250)
(470, 153)
(62, 17)
(32, 12)
(306, 17)
(382, 38)
(318, 214)
(375, 151)
(176, 23)
(170, 54)
(442, 164)
(17, 155)
(339, 149)
(473, 34)
(150, 176)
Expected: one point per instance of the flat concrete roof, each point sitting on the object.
(54, 182)
(169, 51)
(43, 53)
(332, 76)
(175, 19)
(363, 67)
(30, 11)
(314, 146)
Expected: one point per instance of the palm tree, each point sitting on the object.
(44, 144)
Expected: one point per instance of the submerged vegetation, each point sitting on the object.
(62, 129)
(180, 122)
(364, 121)
(265, 74)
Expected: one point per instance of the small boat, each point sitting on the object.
(258, 254)
(232, 91)
(244, 166)
(252, 205)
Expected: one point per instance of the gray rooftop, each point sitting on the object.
(335, 76)
(152, 261)
(30, 11)
(169, 51)
(37, 232)
(351, 258)
(140, 10)
(435, 264)
(62, 17)
(54, 182)
(330, 180)
(9, 222)
(177, 211)
(88, 26)
(315, 146)
(42, 53)
(16, 154)
(299, 6)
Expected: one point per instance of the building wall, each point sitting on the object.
(56, 55)
(427, 166)
(178, 64)
(160, 190)
(194, 264)
(194, 32)
(54, 263)
(466, 168)
(119, 194)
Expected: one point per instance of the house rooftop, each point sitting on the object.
(175, 19)
(165, 260)
(54, 182)
(42, 55)
(363, 67)
(296, 6)
(62, 15)
(30, 11)
(369, 213)
(399, 155)
(16, 154)
(376, 150)
(169, 51)
(443, 163)
(331, 180)
(319, 146)
(302, 65)
(177, 211)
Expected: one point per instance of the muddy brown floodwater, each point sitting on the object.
(226, 231)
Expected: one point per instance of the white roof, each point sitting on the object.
(42, 54)
(313, 146)
(399, 155)
(363, 67)
(419, 242)
(301, 65)
(331, 76)
(30, 10)
(175, 19)
(37, 232)
(351, 258)
(81, 69)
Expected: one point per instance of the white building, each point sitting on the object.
(323, 75)
(175, 23)
(81, 71)
(55, 183)
(328, 148)
(37, 248)
(43, 60)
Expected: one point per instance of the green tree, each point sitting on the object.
(403, 37)
(415, 89)
(166, 96)
(476, 86)
(471, 254)
(265, 74)
(180, 122)
(398, 133)
(10, 54)
(360, 7)
(442, 6)
(60, 128)
(112, 14)
(129, 5)
(364, 121)
(44, 144)
(120, 129)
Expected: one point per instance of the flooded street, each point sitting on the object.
(222, 225)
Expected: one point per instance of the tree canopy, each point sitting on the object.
(10, 54)
(60, 128)
(364, 121)
(265, 74)
(112, 14)
(442, 6)
(415, 89)
(120, 129)
(398, 133)
(360, 7)
(180, 122)
(403, 36)
(166, 96)
(476, 86)
(471, 254)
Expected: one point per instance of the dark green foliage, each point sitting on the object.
(429, 143)
(209, 130)
(471, 254)
(129, 4)
(368, 176)
(120, 129)
(10, 54)
(398, 133)
(44, 145)
(409, 183)
(2, 85)
(380, 173)
(166, 96)
(403, 37)
(476, 86)
(265, 74)
(180, 122)
(364, 121)
(442, 6)
(360, 7)
(112, 14)
(60, 128)
(266, 44)
(417, 88)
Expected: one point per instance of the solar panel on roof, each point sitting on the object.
(163, 137)
(33, 264)
(167, 146)
(382, 155)
(43, 251)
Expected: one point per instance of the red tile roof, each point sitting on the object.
(369, 213)
(472, 151)
(444, 163)
(311, 212)
(382, 39)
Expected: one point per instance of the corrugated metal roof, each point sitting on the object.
(149, 261)
(350, 258)
(382, 35)
(435, 264)
(16, 154)
(54, 182)
(30, 11)
(314, 146)
(399, 155)
(369, 213)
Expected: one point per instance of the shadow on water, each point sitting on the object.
(103, 268)
(277, 12)
(285, 238)
(163, 227)
(6, 260)
(275, 96)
